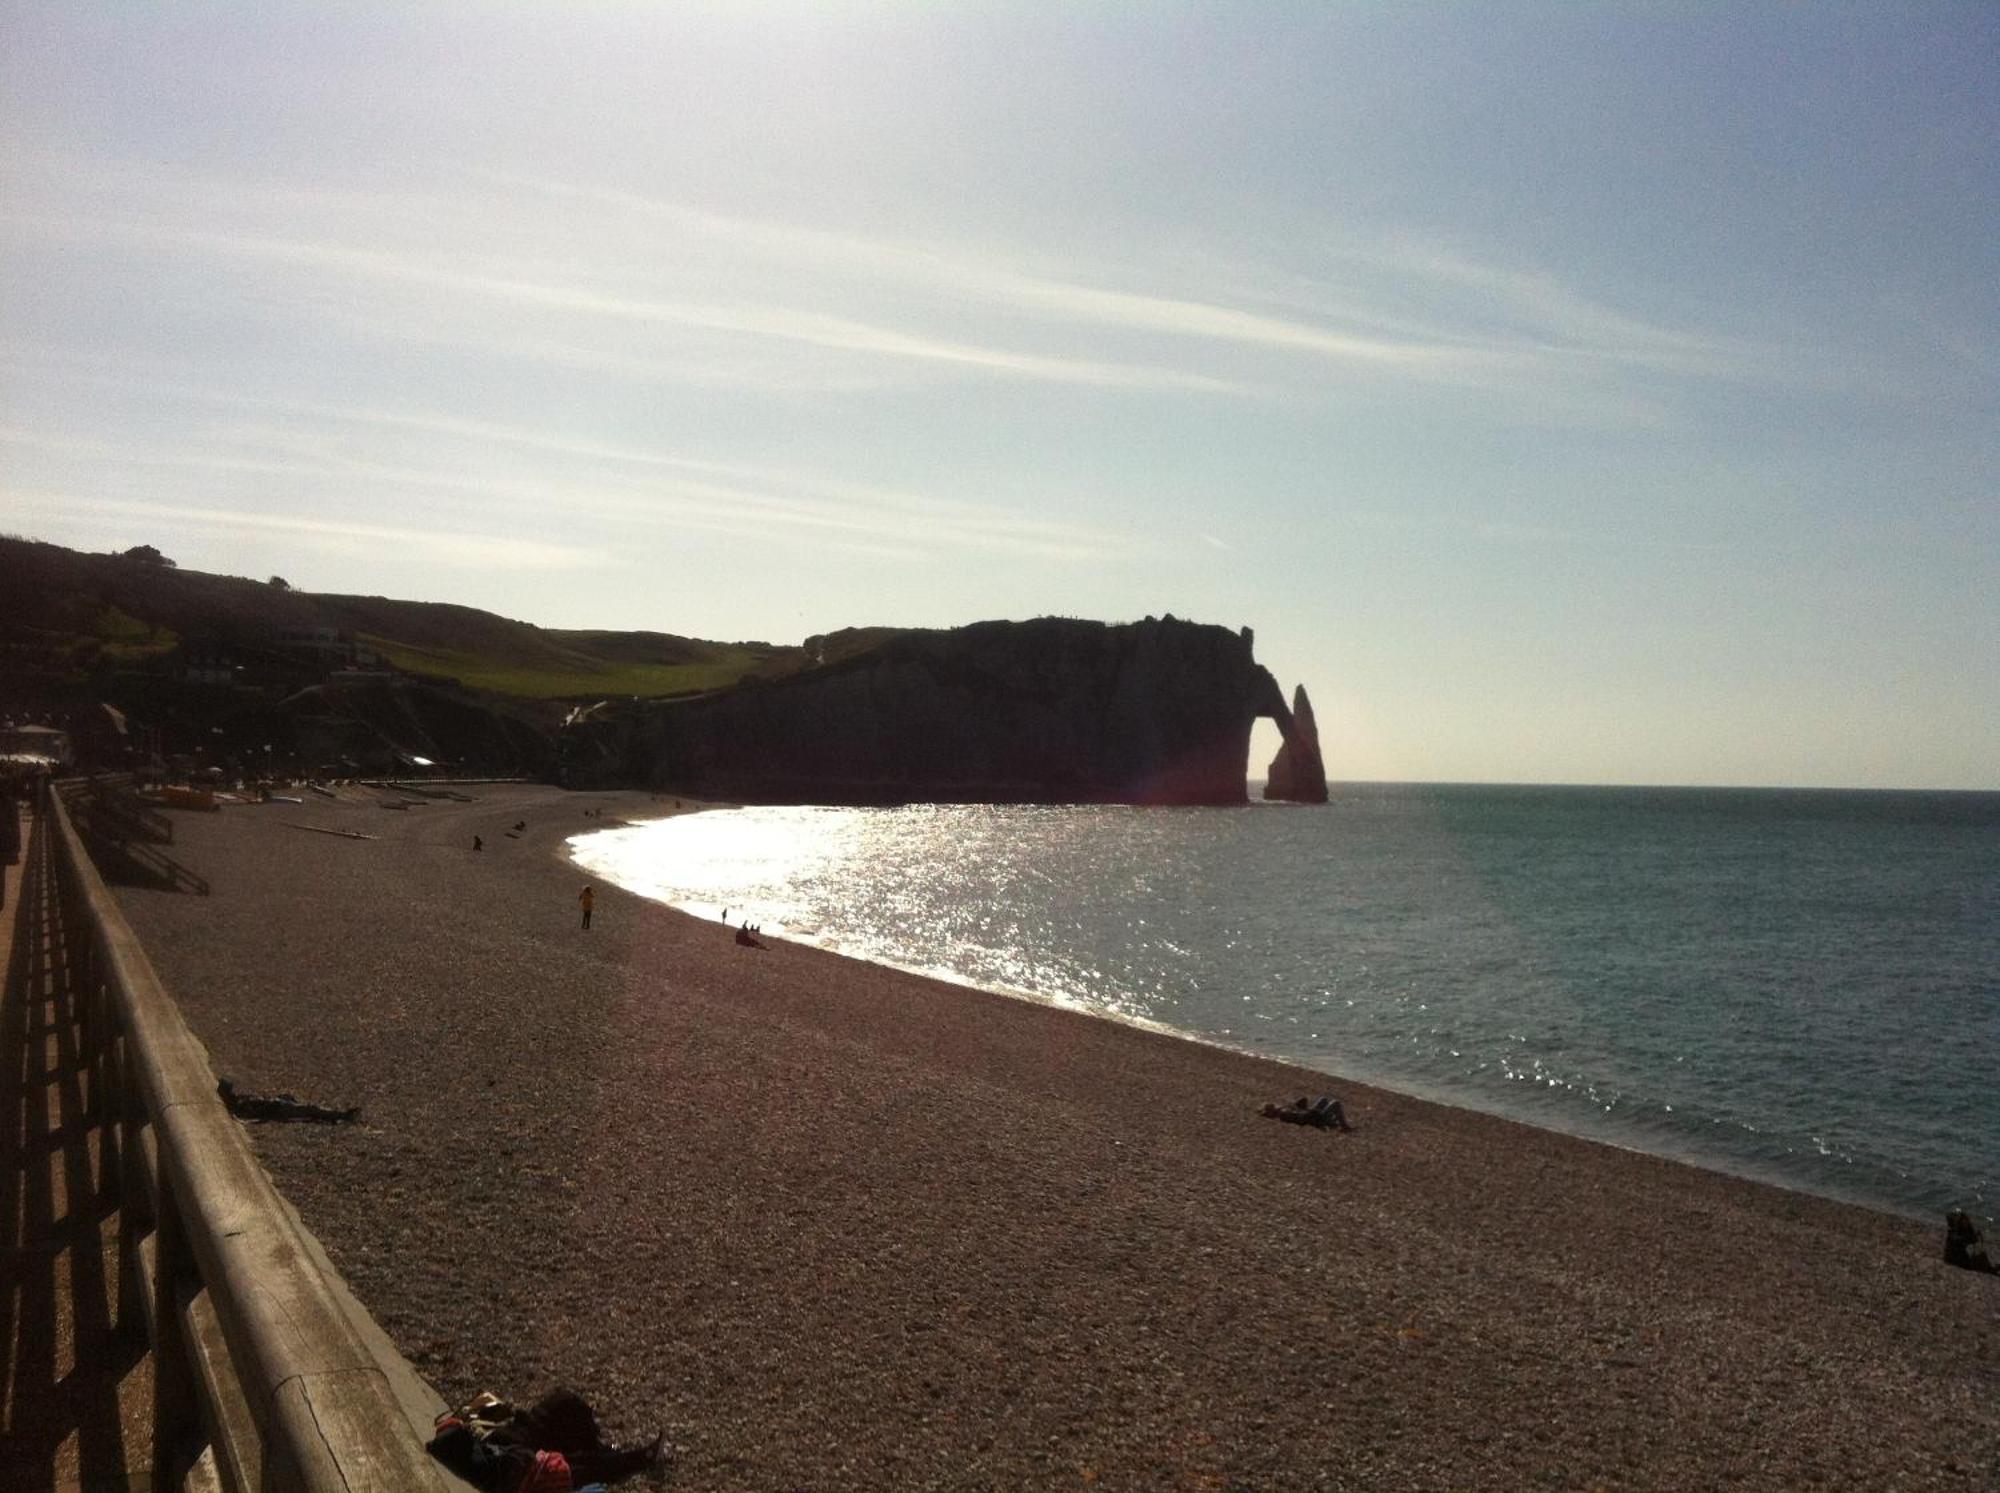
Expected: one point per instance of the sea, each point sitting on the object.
(1800, 986)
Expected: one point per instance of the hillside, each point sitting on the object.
(66, 612)
(145, 662)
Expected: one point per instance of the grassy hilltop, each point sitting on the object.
(70, 613)
(229, 669)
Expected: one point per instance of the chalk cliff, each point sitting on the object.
(1049, 711)
(1298, 772)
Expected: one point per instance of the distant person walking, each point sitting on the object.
(586, 899)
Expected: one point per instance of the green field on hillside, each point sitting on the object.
(557, 682)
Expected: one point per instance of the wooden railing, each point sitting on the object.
(113, 821)
(117, 793)
(266, 1375)
(136, 819)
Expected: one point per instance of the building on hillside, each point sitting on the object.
(207, 661)
(330, 646)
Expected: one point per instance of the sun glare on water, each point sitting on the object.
(713, 863)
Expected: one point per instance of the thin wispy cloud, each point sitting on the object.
(312, 446)
(485, 550)
(1553, 320)
(1022, 292)
(1513, 329)
(742, 318)
(1563, 318)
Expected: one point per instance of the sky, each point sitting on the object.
(1564, 392)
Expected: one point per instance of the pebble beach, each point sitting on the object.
(835, 1226)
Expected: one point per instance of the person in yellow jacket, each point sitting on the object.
(586, 899)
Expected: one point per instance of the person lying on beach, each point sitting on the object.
(1323, 1114)
(282, 1107)
(1963, 1247)
(553, 1446)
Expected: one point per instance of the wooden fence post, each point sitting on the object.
(107, 1103)
(176, 1410)
(135, 1188)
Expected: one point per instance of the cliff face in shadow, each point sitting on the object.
(1050, 711)
(1298, 772)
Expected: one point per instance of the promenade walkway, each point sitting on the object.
(75, 1392)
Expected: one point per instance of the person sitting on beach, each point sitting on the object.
(1963, 1247)
(1324, 1114)
(746, 938)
